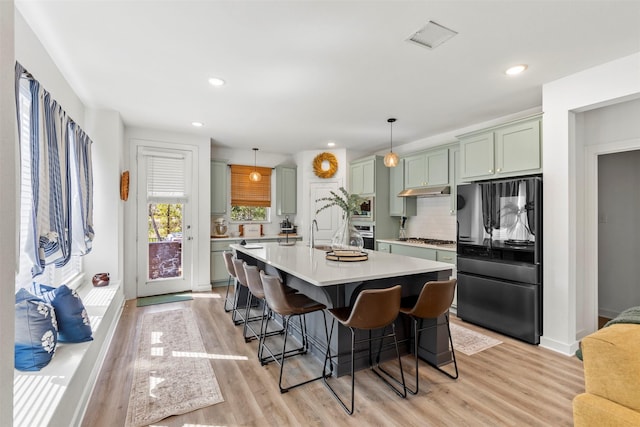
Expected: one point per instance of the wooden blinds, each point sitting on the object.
(247, 193)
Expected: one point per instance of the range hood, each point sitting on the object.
(443, 190)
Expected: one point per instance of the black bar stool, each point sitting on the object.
(373, 309)
(289, 305)
(434, 300)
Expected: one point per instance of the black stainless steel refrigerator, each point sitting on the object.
(500, 256)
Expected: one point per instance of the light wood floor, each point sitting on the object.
(512, 384)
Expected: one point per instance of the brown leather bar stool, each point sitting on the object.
(373, 309)
(434, 300)
(231, 270)
(254, 282)
(241, 280)
(289, 305)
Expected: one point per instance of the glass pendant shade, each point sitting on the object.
(255, 175)
(391, 160)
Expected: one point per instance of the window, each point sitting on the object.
(249, 213)
(250, 201)
(61, 268)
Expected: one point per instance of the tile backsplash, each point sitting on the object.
(433, 219)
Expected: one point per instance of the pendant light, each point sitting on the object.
(255, 175)
(391, 159)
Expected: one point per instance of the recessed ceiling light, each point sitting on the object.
(516, 69)
(197, 124)
(331, 144)
(215, 81)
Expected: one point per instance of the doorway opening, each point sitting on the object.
(618, 238)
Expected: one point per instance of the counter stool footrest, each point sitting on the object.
(283, 357)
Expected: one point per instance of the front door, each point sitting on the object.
(328, 219)
(165, 234)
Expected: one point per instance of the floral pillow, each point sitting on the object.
(73, 321)
(36, 332)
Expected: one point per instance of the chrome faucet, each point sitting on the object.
(312, 243)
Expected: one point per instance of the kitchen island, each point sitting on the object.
(337, 284)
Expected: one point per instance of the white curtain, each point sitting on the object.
(59, 155)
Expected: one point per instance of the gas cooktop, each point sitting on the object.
(426, 241)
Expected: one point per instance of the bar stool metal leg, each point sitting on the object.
(400, 392)
(434, 301)
(226, 296)
(373, 309)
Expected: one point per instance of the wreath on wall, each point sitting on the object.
(325, 165)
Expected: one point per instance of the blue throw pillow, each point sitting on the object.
(36, 333)
(73, 321)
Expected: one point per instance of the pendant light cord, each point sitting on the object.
(391, 120)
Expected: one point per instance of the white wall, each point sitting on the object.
(106, 131)
(564, 192)
(8, 208)
(618, 232)
(33, 56)
(201, 212)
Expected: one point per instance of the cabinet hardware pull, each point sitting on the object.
(490, 170)
(499, 169)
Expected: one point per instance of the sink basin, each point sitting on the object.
(323, 247)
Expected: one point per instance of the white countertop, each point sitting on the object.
(419, 245)
(274, 236)
(311, 265)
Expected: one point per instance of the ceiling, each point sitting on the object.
(302, 73)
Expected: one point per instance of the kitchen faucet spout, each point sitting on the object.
(312, 239)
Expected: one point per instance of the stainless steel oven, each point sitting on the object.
(368, 235)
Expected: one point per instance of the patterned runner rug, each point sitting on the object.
(172, 374)
(470, 342)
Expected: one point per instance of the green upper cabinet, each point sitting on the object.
(363, 177)
(399, 206)
(454, 177)
(478, 158)
(428, 168)
(518, 148)
(286, 190)
(218, 187)
(508, 150)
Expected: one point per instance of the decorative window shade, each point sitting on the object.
(248, 193)
(166, 177)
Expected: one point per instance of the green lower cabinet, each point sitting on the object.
(412, 251)
(384, 247)
(446, 256)
(218, 269)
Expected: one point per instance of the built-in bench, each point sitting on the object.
(58, 394)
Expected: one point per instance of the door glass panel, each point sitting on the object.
(165, 240)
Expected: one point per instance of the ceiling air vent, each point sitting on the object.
(431, 35)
